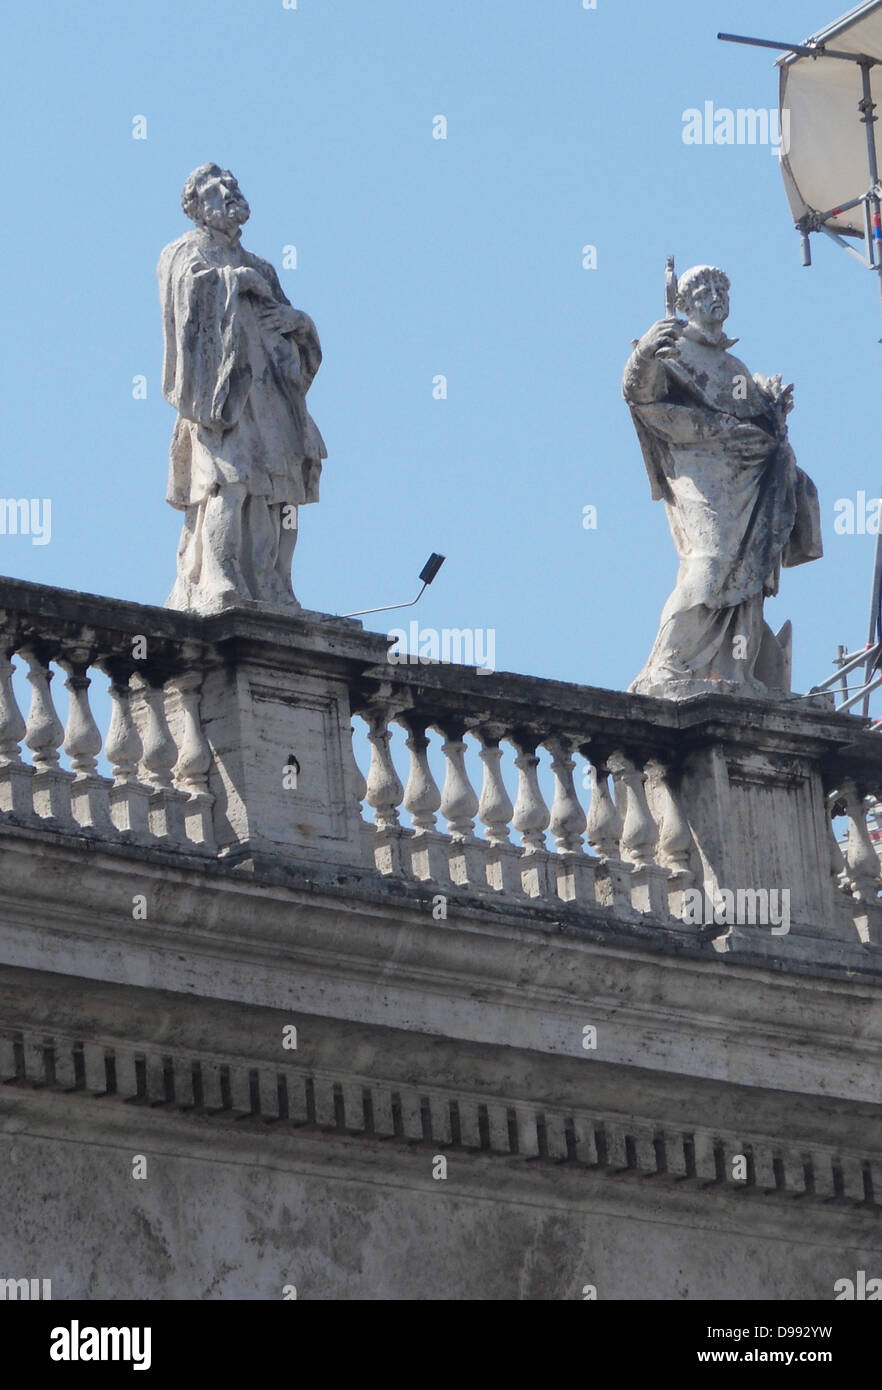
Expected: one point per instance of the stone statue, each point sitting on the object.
(714, 439)
(239, 360)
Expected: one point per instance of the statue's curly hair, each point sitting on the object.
(190, 191)
(693, 275)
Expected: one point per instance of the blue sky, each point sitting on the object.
(419, 257)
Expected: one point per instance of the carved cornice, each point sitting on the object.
(287, 1099)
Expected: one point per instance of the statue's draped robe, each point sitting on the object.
(739, 508)
(239, 387)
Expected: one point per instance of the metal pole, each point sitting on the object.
(387, 607)
(841, 207)
(867, 107)
(874, 617)
(804, 50)
(841, 657)
(874, 685)
(840, 241)
(874, 256)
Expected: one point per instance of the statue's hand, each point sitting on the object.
(252, 282)
(746, 441)
(282, 318)
(661, 339)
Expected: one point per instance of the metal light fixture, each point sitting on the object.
(427, 574)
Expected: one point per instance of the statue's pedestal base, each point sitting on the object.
(683, 689)
(686, 689)
(752, 788)
(197, 603)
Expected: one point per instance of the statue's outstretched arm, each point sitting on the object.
(645, 379)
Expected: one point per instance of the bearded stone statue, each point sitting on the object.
(714, 440)
(239, 360)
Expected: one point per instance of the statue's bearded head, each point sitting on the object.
(703, 296)
(212, 198)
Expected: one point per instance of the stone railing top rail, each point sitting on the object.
(177, 641)
(50, 612)
(529, 702)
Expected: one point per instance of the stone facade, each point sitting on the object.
(625, 1099)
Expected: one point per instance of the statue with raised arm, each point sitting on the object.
(714, 439)
(239, 360)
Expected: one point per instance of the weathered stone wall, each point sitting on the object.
(623, 1098)
(610, 1166)
(236, 1215)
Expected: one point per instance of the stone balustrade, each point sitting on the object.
(627, 842)
(229, 737)
(159, 757)
(615, 854)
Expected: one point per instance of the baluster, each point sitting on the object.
(422, 798)
(367, 830)
(89, 791)
(459, 806)
(530, 818)
(495, 811)
(838, 867)
(384, 793)
(194, 758)
(604, 830)
(861, 859)
(674, 837)
(129, 800)
(574, 868)
(158, 749)
(159, 753)
(639, 831)
(16, 777)
(649, 892)
(359, 782)
(604, 825)
(44, 734)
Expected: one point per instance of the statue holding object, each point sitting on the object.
(714, 440)
(239, 360)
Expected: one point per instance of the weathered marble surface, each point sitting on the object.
(627, 1182)
(239, 361)
(232, 737)
(714, 439)
(708, 1142)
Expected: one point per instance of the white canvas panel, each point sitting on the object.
(826, 159)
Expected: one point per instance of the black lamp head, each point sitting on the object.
(431, 567)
